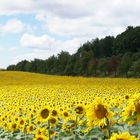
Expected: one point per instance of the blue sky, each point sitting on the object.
(40, 28)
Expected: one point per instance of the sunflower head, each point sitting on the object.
(127, 97)
(137, 107)
(53, 121)
(132, 108)
(101, 111)
(122, 136)
(40, 137)
(98, 109)
(79, 110)
(98, 112)
(52, 133)
(44, 113)
(54, 113)
(65, 114)
(13, 126)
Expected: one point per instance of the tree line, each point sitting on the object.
(110, 56)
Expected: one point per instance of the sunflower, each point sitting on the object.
(30, 128)
(97, 113)
(41, 132)
(69, 126)
(52, 133)
(128, 112)
(127, 97)
(21, 122)
(79, 110)
(44, 114)
(133, 108)
(65, 114)
(122, 136)
(38, 122)
(38, 131)
(13, 126)
(137, 106)
(54, 113)
(53, 121)
(16, 118)
(40, 137)
(5, 125)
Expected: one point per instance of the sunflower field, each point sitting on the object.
(44, 107)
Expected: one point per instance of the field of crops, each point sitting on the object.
(42, 107)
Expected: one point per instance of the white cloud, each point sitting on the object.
(89, 18)
(12, 26)
(40, 17)
(28, 40)
(61, 7)
(71, 9)
(89, 27)
(19, 6)
(79, 20)
(45, 42)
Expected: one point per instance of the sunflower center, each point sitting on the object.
(52, 132)
(31, 128)
(21, 122)
(39, 132)
(100, 112)
(40, 138)
(54, 113)
(5, 124)
(79, 110)
(137, 107)
(53, 120)
(38, 122)
(16, 119)
(14, 126)
(65, 114)
(130, 113)
(126, 97)
(44, 113)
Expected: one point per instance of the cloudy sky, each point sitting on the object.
(40, 28)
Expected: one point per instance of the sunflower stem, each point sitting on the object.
(24, 133)
(76, 123)
(49, 130)
(108, 128)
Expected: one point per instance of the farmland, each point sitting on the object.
(45, 107)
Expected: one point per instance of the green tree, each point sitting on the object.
(113, 64)
(103, 66)
(135, 68)
(21, 66)
(51, 65)
(93, 66)
(106, 46)
(63, 58)
(125, 64)
(11, 67)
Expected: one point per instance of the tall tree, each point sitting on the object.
(125, 64)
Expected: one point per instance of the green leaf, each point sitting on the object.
(133, 117)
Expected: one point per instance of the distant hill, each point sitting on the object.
(109, 56)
